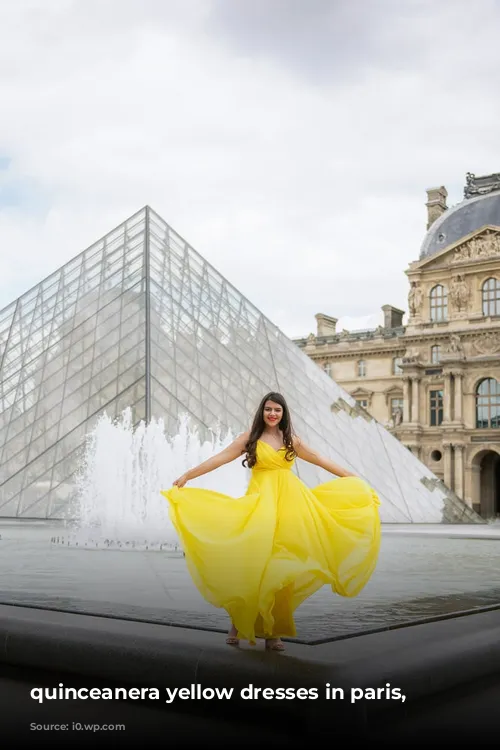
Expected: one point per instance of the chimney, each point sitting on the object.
(436, 204)
(393, 318)
(326, 326)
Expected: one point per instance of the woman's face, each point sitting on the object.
(273, 413)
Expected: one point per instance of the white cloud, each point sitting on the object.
(307, 195)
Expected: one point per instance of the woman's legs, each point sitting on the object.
(272, 644)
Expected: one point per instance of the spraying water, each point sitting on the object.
(119, 504)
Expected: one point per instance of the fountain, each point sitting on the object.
(118, 500)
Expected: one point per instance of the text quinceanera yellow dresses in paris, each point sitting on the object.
(261, 555)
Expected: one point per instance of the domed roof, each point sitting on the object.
(466, 217)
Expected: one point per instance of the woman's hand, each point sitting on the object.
(181, 481)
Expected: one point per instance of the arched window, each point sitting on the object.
(396, 365)
(491, 297)
(435, 354)
(488, 404)
(361, 368)
(438, 303)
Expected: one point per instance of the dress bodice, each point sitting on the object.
(268, 458)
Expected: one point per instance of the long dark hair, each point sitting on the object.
(258, 426)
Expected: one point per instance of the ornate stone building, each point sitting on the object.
(435, 382)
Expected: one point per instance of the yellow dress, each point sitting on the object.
(261, 555)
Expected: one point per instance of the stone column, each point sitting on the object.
(447, 398)
(415, 408)
(457, 416)
(475, 482)
(459, 470)
(447, 464)
(406, 399)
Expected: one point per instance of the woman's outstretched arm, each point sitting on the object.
(307, 454)
(235, 449)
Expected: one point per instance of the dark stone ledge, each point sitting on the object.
(426, 662)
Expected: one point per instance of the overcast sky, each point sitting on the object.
(289, 141)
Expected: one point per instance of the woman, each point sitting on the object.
(261, 555)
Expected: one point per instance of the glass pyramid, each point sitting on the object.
(141, 320)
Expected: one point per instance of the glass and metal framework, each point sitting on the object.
(439, 303)
(491, 296)
(488, 404)
(141, 320)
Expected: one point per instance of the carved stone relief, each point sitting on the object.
(487, 343)
(459, 292)
(411, 356)
(480, 185)
(397, 417)
(485, 246)
(455, 346)
(415, 298)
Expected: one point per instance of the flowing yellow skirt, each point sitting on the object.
(261, 555)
